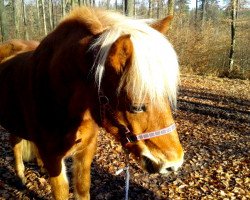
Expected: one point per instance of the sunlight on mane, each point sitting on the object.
(155, 71)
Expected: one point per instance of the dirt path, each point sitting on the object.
(213, 120)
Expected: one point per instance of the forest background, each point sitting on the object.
(210, 37)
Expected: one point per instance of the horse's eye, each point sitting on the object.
(137, 108)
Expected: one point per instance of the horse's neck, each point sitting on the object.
(65, 63)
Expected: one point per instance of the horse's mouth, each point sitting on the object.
(149, 165)
(152, 167)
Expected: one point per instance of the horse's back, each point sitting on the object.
(14, 47)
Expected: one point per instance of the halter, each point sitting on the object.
(124, 130)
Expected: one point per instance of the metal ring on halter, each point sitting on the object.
(103, 100)
(130, 137)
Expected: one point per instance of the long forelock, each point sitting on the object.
(154, 73)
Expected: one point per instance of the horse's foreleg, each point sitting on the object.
(82, 166)
(17, 145)
(58, 178)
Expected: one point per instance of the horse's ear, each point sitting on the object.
(163, 25)
(120, 54)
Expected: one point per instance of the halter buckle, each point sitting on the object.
(131, 138)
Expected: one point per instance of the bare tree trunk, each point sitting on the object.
(196, 11)
(129, 5)
(26, 34)
(233, 29)
(63, 7)
(38, 17)
(150, 8)
(171, 7)
(237, 8)
(44, 19)
(72, 4)
(2, 24)
(15, 20)
(51, 19)
(81, 2)
(134, 8)
(159, 8)
(54, 19)
(85, 2)
(108, 4)
(203, 12)
(116, 5)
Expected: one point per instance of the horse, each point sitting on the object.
(96, 69)
(12, 47)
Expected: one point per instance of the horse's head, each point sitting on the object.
(137, 74)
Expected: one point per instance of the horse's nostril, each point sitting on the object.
(170, 169)
(149, 165)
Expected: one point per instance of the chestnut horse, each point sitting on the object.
(13, 47)
(96, 69)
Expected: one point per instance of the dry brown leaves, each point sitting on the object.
(213, 122)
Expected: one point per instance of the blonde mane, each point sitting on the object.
(154, 73)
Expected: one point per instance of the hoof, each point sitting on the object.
(21, 183)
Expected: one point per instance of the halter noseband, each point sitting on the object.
(124, 130)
